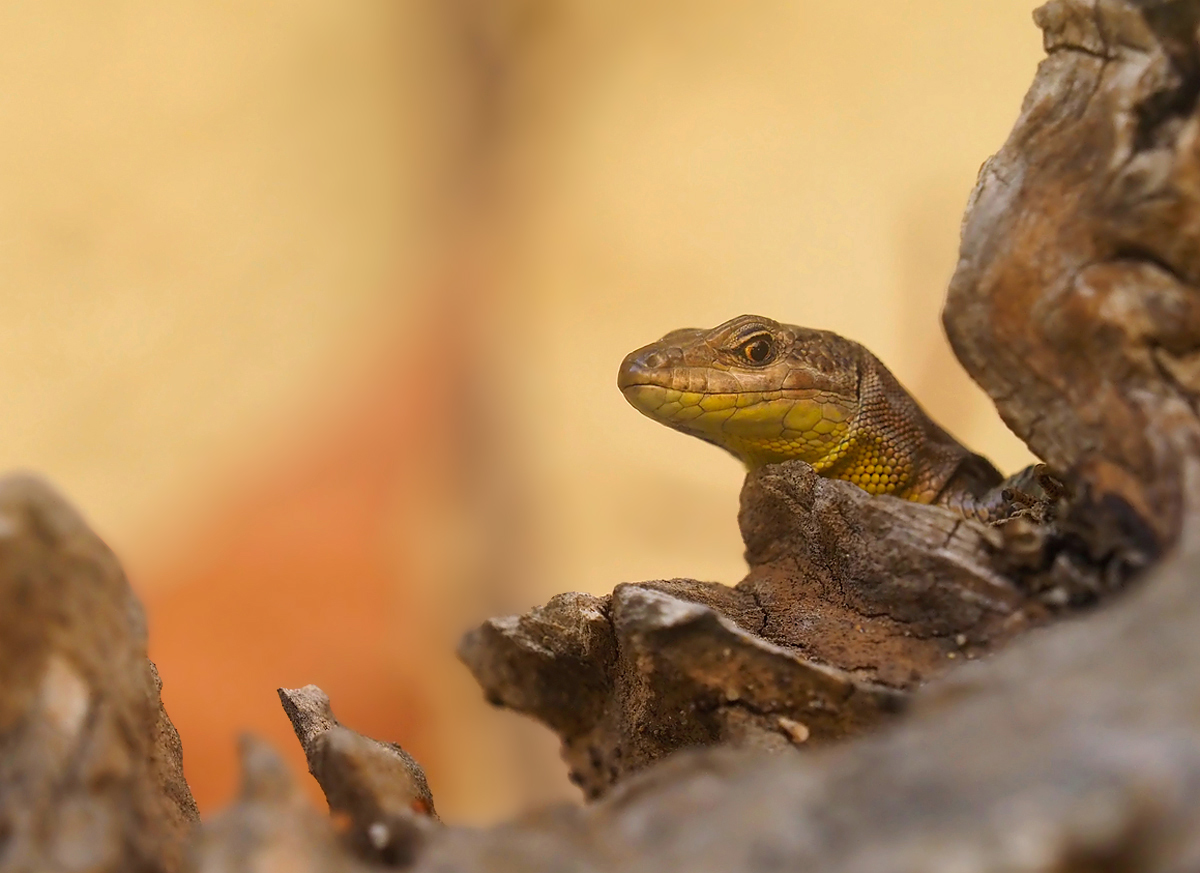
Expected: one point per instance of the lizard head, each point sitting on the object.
(764, 391)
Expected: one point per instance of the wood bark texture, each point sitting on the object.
(1074, 303)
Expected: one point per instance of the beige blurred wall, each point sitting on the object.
(224, 226)
(205, 211)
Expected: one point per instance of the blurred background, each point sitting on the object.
(315, 308)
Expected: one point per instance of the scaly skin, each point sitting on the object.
(770, 392)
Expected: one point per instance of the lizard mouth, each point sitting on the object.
(747, 414)
(649, 398)
(757, 427)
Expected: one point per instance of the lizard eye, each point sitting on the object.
(758, 349)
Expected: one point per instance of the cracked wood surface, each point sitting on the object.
(851, 601)
(887, 590)
(1078, 748)
(1075, 300)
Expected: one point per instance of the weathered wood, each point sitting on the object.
(652, 672)
(1074, 303)
(851, 601)
(90, 769)
(1078, 748)
(376, 790)
(889, 590)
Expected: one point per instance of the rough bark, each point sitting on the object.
(90, 765)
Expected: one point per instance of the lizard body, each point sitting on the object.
(770, 392)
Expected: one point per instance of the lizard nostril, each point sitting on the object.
(641, 367)
(653, 361)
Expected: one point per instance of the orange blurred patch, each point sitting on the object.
(305, 577)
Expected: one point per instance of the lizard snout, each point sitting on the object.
(647, 366)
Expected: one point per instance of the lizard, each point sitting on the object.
(769, 392)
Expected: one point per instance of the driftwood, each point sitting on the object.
(1074, 745)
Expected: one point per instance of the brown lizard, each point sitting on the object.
(770, 392)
